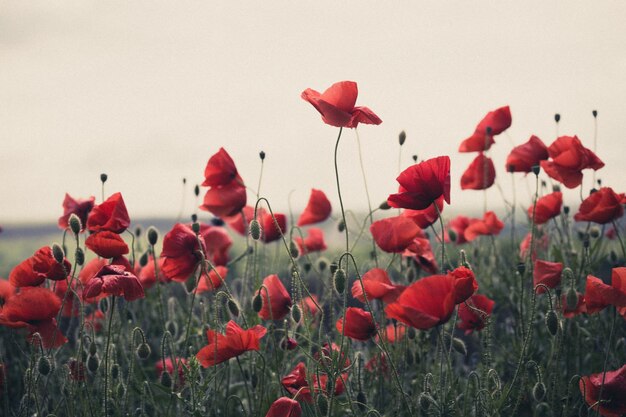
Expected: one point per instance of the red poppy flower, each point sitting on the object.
(236, 341)
(470, 318)
(313, 242)
(297, 382)
(548, 206)
(422, 253)
(213, 281)
(547, 273)
(394, 332)
(569, 158)
(225, 200)
(317, 209)
(602, 206)
(426, 303)
(284, 407)
(598, 295)
(377, 287)
(498, 121)
(34, 270)
(110, 215)
(426, 217)
(612, 384)
(181, 365)
(279, 302)
(34, 308)
(490, 225)
(542, 241)
(147, 275)
(269, 231)
(394, 234)
(114, 280)
(181, 253)
(336, 105)
(422, 184)
(458, 226)
(220, 170)
(464, 283)
(77, 206)
(90, 269)
(359, 324)
(307, 304)
(523, 157)
(239, 222)
(71, 306)
(107, 244)
(217, 243)
(480, 175)
(7, 290)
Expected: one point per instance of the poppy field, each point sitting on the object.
(403, 310)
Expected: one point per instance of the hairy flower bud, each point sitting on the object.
(79, 256)
(257, 303)
(296, 313)
(143, 259)
(339, 280)
(166, 379)
(44, 366)
(75, 224)
(322, 404)
(293, 249)
(233, 307)
(255, 229)
(384, 205)
(153, 235)
(93, 363)
(57, 253)
(459, 346)
(539, 391)
(552, 322)
(143, 351)
(571, 298)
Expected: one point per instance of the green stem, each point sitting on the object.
(106, 360)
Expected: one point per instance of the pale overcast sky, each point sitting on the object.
(147, 91)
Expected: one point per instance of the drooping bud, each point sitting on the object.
(172, 327)
(44, 366)
(539, 391)
(75, 224)
(166, 379)
(257, 303)
(293, 249)
(233, 307)
(143, 259)
(57, 252)
(552, 322)
(93, 349)
(402, 138)
(384, 205)
(93, 363)
(255, 229)
(79, 256)
(339, 280)
(143, 351)
(341, 226)
(296, 313)
(459, 346)
(153, 235)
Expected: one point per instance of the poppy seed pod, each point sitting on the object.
(557, 117)
(459, 346)
(293, 249)
(57, 253)
(594, 113)
(536, 169)
(341, 226)
(402, 138)
(552, 322)
(93, 349)
(255, 229)
(104, 178)
(143, 351)
(539, 391)
(153, 235)
(75, 224)
(262, 155)
(339, 280)
(79, 256)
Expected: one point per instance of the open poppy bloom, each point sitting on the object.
(36, 309)
(547, 273)
(612, 384)
(276, 299)
(359, 324)
(394, 234)
(212, 281)
(426, 217)
(114, 280)
(471, 319)
(181, 253)
(225, 200)
(599, 295)
(313, 242)
(181, 364)
(76, 206)
(298, 382)
(220, 170)
(378, 286)
(39, 267)
(236, 341)
(426, 303)
(422, 184)
(217, 243)
(106, 244)
(457, 226)
(489, 225)
(422, 253)
(569, 158)
(271, 229)
(336, 105)
(523, 157)
(394, 332)
(480, 175)
(284, 407)
(547, 207)
(602, 206)
(317, 209)
(496, 121)
(111, 215)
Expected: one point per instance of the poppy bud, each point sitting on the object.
(44, 366)
(425, 400)
(333, 267)
(296, 313)
(322, 264)
(262, 155)
(293, 249)
(233, 307)
(452, 235)
(571, 298)
(594, 232)
(143, 351)
(459, 346)
(535, 169)
(521, 268)
(384, 205)
(79, 256)
(411, 333)
(341, 226)
(153, 235)
(322, 404)
(166, 379)
(93, 363)
(75, 223)
(216, 221)
(594, 113)
(93, 348)
(115, 371)
(339, 280)
(255, 229)
(257, 303)
(196, 190)
(103, 178)
(539, 391)
(414, 158)
(402, 137)
(194, 218)
(57, 253)
(552, 322)
(557, 117)
(361, 401)
(195, 226)
(143, 259)
(138, 231)
(566, 210)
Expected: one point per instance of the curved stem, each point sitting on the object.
(343, 213)
(367, 193)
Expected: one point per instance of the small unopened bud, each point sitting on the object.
(322, 404)
(521, 268)
(307, 267)
(143, 259)
(571, 298)
(536, 169)
(93, 349)
(452, 235)
(539, 391)
(79, 256)
(257, 303)
(402, 138)
(333, 267)
(194, 218)
(594, 113)
(75, 223)
(44, 366)
(361, 401)
(414, 158)
(216, 221)
(552, 322)
(459, 346)
(293, 249)
(166, 379)
(57, 253)
(103, 178)
(93, 363)
(143, 351)
(262, 155)
(322, 264)
(233, 307)
(196, 190)
(557, 117)
(153, 235)
(339, 280)
(384, 205)
(341, 226)
(566, 210)
(255, 229)
(594, 232)
(296, 313)
(195, 226)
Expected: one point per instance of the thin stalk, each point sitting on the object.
(106, 360)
